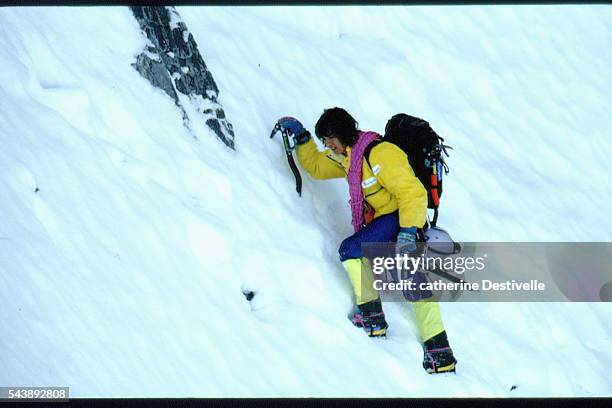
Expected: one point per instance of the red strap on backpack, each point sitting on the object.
(434, 190)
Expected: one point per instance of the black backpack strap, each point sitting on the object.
(368, 149)
(435, 218)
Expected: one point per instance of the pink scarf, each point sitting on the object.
(354, 177)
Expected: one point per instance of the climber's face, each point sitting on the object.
(334, 144)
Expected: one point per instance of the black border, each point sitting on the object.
(292, 3)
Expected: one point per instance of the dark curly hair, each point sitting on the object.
(336, 122)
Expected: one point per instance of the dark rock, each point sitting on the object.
(173, 63)
(248, 294)
(155, 71)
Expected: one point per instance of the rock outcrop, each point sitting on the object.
(173, 63)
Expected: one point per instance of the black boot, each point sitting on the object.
(438, 356)
(371, 318)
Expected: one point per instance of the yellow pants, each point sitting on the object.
(427, 312)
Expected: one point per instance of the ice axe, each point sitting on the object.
(288, 148)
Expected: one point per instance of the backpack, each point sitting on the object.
(424, 148)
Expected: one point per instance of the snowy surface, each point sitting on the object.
(125, 242)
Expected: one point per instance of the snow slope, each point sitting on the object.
(125, 242)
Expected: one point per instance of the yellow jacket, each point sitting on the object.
(388, 186)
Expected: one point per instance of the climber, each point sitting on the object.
(388, 204)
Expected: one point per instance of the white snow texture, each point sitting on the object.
(125, 242)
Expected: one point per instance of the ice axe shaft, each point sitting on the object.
(288, 149)
(442, 273)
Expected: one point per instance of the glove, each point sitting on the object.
(406, 241)
(295, 129)
(406, 245)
